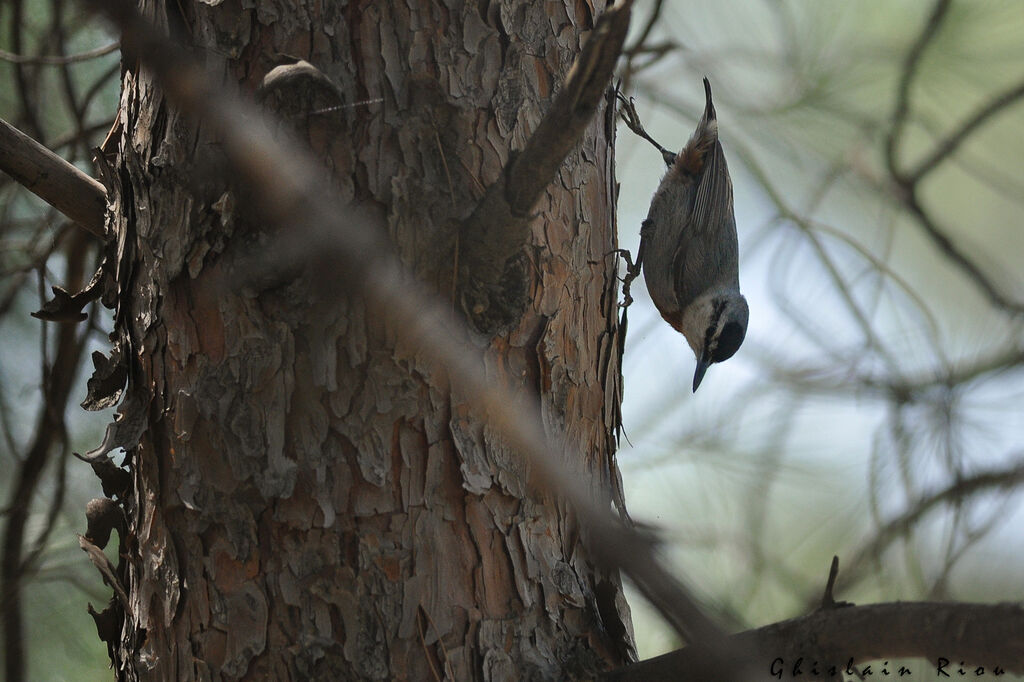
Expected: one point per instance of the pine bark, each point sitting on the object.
(311, 500)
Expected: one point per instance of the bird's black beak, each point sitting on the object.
(698, 375)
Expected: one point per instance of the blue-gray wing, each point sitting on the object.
(713, 205)
(707, 256)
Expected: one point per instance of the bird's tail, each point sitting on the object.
(691, 159)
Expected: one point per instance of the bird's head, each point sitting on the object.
(714, 325)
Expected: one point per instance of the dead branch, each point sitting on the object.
(52, 179)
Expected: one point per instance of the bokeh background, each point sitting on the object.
(875, 409)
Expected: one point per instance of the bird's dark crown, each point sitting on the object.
(729, 341)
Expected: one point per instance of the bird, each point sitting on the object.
(689, 251)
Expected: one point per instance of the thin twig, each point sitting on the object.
(423, 643)
(828, 600)
(440, 642)
(57, 60)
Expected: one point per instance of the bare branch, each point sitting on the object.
(27, 477)
(832, 378)
(23, 78)
(653, 52)
(52, 179)
(59, 60)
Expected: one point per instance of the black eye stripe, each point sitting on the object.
(709, 333)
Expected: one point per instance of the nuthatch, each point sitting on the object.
(688, 247)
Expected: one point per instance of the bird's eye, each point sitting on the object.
(728, 342)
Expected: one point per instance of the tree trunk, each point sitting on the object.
(311, 500)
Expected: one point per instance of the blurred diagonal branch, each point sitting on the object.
(908, 73)
(952, 142)
(59, 59)
(958, 257)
